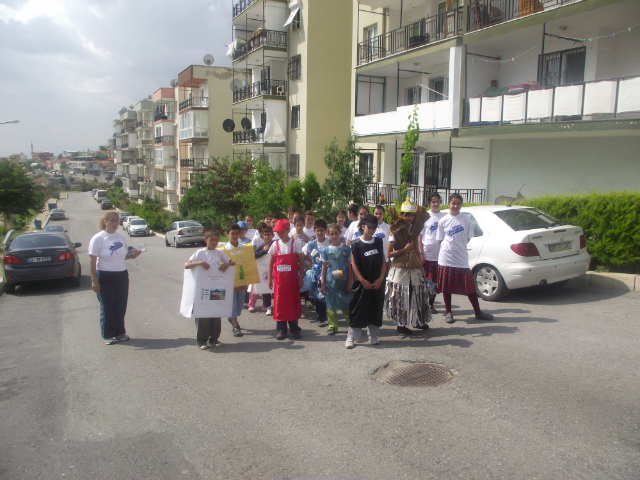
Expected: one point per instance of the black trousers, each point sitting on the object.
(113, 297)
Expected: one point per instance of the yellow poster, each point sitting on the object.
(246, 268)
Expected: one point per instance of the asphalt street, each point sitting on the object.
(549, 390)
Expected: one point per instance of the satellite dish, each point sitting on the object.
(246, 123)
(174, 83)
(131, 107)
(235, 85)
(208, 59)
(228, 125)
(149, 97)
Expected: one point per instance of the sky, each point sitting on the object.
(68, 66)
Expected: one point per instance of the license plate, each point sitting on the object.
(559, 247)
(38, 259)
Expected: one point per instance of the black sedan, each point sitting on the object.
(40, 256)
(106, 205)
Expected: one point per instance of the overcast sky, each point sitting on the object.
(68, 66)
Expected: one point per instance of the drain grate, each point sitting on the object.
(416, 375)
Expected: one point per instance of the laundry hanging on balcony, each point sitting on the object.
(232, 47)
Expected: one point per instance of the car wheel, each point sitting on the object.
(177, 245)
(489, 283)
(9, 288)
(166, 242)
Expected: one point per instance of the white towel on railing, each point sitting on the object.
(514, 107)
(600, 97)
(539, 103)
(568, 101)
(474, 110)
(629, 95)
(491, 109)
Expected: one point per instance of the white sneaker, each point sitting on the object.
(374, 341)
(349, 343)
(110, 341)
(269, 312)
(449, 318)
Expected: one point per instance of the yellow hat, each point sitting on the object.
(408, 207)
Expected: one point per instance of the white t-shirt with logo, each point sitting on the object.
(430, 245)
(285, 248)
(343, 234)
(310, 232)
(454, 231)
(383, 231)
(111, 250)
(353, 232)
(212, 257)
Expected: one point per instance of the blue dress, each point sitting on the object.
(337, 259)
(313, 275)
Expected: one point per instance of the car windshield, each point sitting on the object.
(526, 219)
(38, 241)
(189, 224)
(57, 210)
(53, 228)
(125, 214)
(138, 222)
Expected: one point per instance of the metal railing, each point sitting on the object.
(255, 135)
(388, 193)
(164, 139)
(194, 162)
(194, 102)
(417, 34)
(263, 87)
(143, 123)
(272, 38)
(241, 6)
(485, 13)
(160, 184)
(125, 145)
(128, 129)
(163, 116)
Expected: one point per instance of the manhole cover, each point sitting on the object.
(405, 374)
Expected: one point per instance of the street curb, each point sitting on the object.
(618, 281)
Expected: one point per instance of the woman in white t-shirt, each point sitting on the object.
(430, 247)
(454, 275)
(109, 277)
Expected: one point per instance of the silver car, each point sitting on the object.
(183, 232)
(138, 227)
(57, 214)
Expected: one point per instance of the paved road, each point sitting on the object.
(549, 390)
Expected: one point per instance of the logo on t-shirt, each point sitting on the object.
(342, 239)
(379, 235)
(357, 234)
(371, 252)
(115, 246)
(453, 230)
(433, 228)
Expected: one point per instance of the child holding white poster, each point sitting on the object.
(208, 329)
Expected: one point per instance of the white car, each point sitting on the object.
(183, 232)
(518, 247)
(138, 226)
(127, 220)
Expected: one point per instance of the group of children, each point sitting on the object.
(362, 270)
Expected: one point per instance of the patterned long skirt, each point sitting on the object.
(406, 299)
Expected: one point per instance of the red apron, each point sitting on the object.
(286, 294)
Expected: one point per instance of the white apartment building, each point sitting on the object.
(165, 151)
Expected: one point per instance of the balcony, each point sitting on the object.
(143, 141)
(166, 162)
(165, 186)
(194, 102)
(125, 145)
(128, 130)
(194, 163)
(241, 6)
(419, 194)
(162, 116)
(264, 87)
(485, 13)
(191, 134)
(164, 139)
(592, 100)
(144, 124)
(270, 38)
(255, 135)
(431, 116)
(422, 32)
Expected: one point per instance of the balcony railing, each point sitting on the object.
(125, 145)
(195, 102)
(583, 101)
(241, 6)
(419, 194)
(143, 123)
(160, 184)
(255, 135)
(272, 38)
(194, 162)
(263, 87)
(485, 13)
(194, 133)
(164, 139)
(128, 129)
(417, 34)
(163, 116)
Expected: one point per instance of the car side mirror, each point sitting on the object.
(77, 245)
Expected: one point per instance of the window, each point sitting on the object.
(294, 164)
(520, 219)
(370, 95)
(437, 170)
(158, 131)
(366, 165)
(296, 23)
(414, 95)
(295, 116)
(477, 230)
(263, 120)
(439, 89)
(562, 68)
(414, 173)
(294, 69)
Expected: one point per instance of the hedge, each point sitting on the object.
(611, 223)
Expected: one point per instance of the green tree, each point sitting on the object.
(406, 162)
(312, 191)
(344, 184)
(117, 182)
(266, 195)
(18, 195)
(294, 195)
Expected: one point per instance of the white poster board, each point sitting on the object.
(207, 293)
(263, 270)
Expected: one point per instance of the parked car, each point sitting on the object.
(101, 195)
(40, 256)
(57, 214)
(108, 177)
(123, 215)
(93, 192)
(183, 232)
(106, 205)
(125, 223)
(517, 247)
(54, 228)
(138, 226)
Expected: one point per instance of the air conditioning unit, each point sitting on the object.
(280, 90)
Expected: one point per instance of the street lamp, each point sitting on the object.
(12, 121)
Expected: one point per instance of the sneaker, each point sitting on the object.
(237, 332)
(374, 341)
(269, 312)
(331, 331)
(433, 310)
(449, 318)
(297, 336)
(404, 331)
(124, 337)
(424, 327)
(280, 336)
(322, 323)
(216, 343)
(302, 315)
(110, 341)
(251, 309)
(349, 343)
(484, 316)
(203, 347)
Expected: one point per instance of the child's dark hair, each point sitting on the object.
(211, 232)
(319, 224)
(248, 216)
(344, 214)
(266, 229)
(363, 207)
(298, 218)
(379, 207)
(353, 209)
(333, 226)
(261, 226)
(434, 194)
(291, 210)
(233, 226)
(308, 213)
(456, 195)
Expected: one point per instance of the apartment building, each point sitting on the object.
(165, 151)
(291, 81)
(141, 173)
(540, 93)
